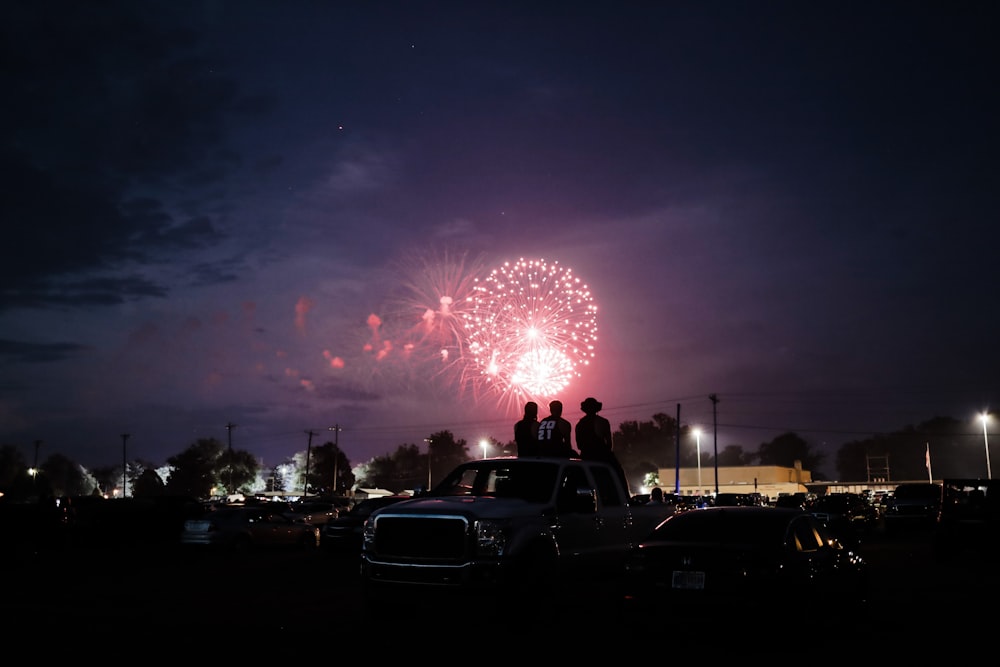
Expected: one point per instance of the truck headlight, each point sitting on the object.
(491, 537)
(368, 535)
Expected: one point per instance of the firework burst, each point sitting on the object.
(421, 340)
(530, 327)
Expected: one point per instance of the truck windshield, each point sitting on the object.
(534, 481)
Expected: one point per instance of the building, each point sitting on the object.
(768, 481)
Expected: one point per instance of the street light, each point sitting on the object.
(985, 416)
(484, 445)
(428, 441)
(697, 435)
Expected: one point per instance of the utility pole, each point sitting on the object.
(336, 453)
(677, 449)
(124, 466)
(229, 429)
(715, 438)
(34, 468)
(305, 482)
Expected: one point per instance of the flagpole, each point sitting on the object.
(927, 462)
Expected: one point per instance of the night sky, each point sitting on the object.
(245, 212)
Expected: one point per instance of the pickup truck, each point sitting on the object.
(507, 525)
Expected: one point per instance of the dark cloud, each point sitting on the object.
(103, 103)
(34, 353)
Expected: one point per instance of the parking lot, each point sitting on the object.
(157, 592)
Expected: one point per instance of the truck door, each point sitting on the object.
(576, 528)
(615, 532)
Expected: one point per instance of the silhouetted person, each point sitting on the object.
(655, 496)
(593, 437)
(526, 431)
(555, 434)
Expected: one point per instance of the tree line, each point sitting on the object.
(208, 468)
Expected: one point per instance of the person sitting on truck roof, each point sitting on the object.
(555, 433)
(526, 431)
(593, 437)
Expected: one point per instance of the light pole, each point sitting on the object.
(697, 435)
(305, 483)
(229, 432)
(985, 416)
(336, 453)
(484, 445)
(428, 441)
(34, 468)
(124, 466)
(715, 437)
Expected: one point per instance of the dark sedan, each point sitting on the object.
(244, 527)
(744, 557)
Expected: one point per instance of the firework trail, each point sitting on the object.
(418, 341)
(530, 328)
(438, 292)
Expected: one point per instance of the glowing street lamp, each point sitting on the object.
(697, 435)
(428, 441)
(985, 417)
(484, 444)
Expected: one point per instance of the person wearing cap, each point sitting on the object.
(593, 437)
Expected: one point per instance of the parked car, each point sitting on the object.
(969, 519)
(913, 506)
(343, 534)
(316, 512)
(249, 526)
(848, 514)
(735, 499)
(740, 557)
(799, 500)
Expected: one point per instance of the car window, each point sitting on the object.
(573, 478)
(607, 487)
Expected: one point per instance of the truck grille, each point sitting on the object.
(427, 538)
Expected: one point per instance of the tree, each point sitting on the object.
(67, 477)
(645, 447)
(733, 455)
(15, 482)
(954, 448)
(330, 462)
(786, 449)
(195, 471)
(148, 485)
(445, 453)
(380, 472)
(237, 470)
(107, 477)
